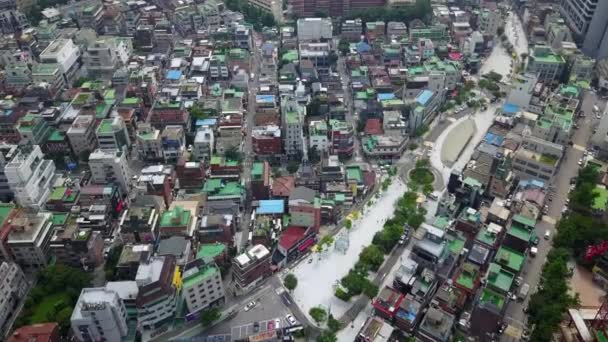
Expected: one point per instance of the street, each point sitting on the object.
(515, 315)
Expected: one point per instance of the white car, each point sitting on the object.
(250, 306)
(277, 324)
(291, 320)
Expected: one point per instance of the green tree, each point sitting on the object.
(111, 262)
(348, 224)
(372, 256)
(209, 316)
(327, 336)
(293, 166)
(197, 111)
(318, 314)
(333, 324)
(427, 189)
(232, 153)
(343, 47)
(291, 282)
(370, 290)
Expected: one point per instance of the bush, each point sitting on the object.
(412, 146)
(341, 294)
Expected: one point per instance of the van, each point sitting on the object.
(533, 251)
(547, 234)
(523, 291)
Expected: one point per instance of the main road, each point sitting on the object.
(560, 185)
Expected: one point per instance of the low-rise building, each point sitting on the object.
(13, 287)
(204, 143)
(112, 135)
(157, 298)
(99, 314)
(545, 63)
(28, 239)
(202, 286)
(30, 176)
(81, 134)
(250, 268)
(149, 143)
(110, 166)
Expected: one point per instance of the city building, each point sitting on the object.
(7, 151)
(109, 166)
(64, 53)
(105, 55)
(274, 7)
(202, 286)
(173, 142)
(81, 134)
(250, 268)
(149, 144)
(314, 29)
(79, 248)
(139, 224)
(204, 143)
(305, 208)
(13, 287)
(157, 298)
(260, 181)
(545, 63)
(28, 239)
(522, 90)
(112, 135)
(99, 315)
(30, 176)
(33, 129)
(589, 24)
(40, 332)
(266, 140)
(50, 76)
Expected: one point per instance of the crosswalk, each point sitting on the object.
(549, 219)
(579, 147)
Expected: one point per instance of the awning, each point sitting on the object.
(306, 244)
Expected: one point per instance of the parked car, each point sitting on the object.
(523, 291)
(547, 234)
(277, 324)
(256, 327)
(291, 320)
(250, 306)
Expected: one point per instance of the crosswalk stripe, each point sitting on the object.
(579, 147)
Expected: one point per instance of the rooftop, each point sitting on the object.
(197, 275)
(208, 252)
(176, 217)
(510, 258)
(500, 278)
(490, 296)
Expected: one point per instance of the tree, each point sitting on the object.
(343, 47)
(209, 316)
(318, 314)
(291, 282)
(348, 224)
(232, 153)
(333, 324)
(327, 336)
(293, 166)
(412, 146)
(427, 189)
(197, 111)
(111, 262)
(370, 290)
(372, 256)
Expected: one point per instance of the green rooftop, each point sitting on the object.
(59, 219)
(58, 193)
(210, 251)
(487, 237)
(131, 101)
(354, 173)
(56, 136)
(212, 185)
(178, 217)
(456, 246)
(530, 223)
(82, 98)
(292, 117)
(519, 232)
(105, 127)
(490, 296)
(5, 210)
(45, 68)
(195, 278)
(601, 200)
(468, 276)
(257, 170)
(510, 258)
(499, 278)
(549, 58)
(441, 222)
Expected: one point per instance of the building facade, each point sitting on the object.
(30, 176)
(99, 315)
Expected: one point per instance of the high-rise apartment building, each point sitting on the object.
(589, 24)
(30, 176)
(99, 315)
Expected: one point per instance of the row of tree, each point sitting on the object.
(257, 17)
(420, 10)
(575, 232)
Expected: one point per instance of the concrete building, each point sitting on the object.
(99, 315)
(149, 144)
(105, 55)
(7, 151)
(48, 74)
(589, 24)
(157, 298)
(112, 135)
(12, 288)
(173, 143)
(581, 68)
(79, 248)
(266, 140)
(545, 63)
(522, 89)
(64, 53)
(530, 164)
(110, 167)
(204, 143)
(333, 8)
(29, 236)
(274, 7)
(30, 177)
(314, 29)
(33, 129)
(292, 128)
(489, 21)
(17, 77)
(202, 286)
(250, 268)
(81, 134)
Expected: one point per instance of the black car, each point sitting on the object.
(256, 327)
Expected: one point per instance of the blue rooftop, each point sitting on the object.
(494, 139)
(174, 75)
(424, 97)
(509, 108)
(264, 98)
(205, 122)
(271, 207)
(385, 96)
(363, 47)
(532, 184)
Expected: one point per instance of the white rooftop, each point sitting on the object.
(150, 272)
(124, 289)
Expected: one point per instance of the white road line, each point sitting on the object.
(579, 147)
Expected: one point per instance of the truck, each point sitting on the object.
(523, 291)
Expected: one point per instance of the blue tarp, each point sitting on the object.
(174, 75)
(509, 108)
(271, 207)
(385, 96)
(205, 122)
(363, 47)
(494, 139)
(264, 98)
(424, 97)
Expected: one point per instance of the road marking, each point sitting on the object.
(579, 147)
(549, 219)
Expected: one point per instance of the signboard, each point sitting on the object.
(263, 336)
